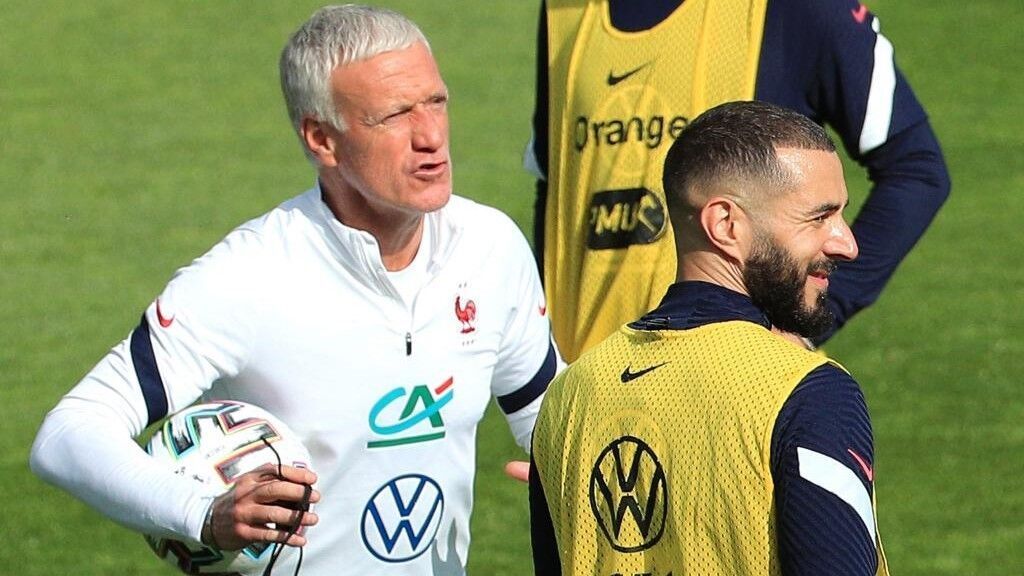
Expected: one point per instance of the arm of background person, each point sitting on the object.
(828, 60)
(822, 467)
(910, 185)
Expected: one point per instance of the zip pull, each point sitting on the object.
(408, 343)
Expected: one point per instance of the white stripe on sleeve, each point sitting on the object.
(530, 161)
(880, 96)
(837, 478)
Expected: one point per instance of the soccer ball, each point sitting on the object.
(214, 443)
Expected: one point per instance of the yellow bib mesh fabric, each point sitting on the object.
(668, 471)
(616, 102)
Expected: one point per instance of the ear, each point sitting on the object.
(321, 141)
(727, 227)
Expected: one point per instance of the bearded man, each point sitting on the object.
(699, 439)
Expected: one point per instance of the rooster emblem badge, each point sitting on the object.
(466, 314)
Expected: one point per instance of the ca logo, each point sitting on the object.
(627, 478)
(402, 517)
(417, 418)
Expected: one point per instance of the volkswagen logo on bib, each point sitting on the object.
(629, 494)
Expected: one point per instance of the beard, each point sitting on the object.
(775, 282)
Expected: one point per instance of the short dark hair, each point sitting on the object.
(736, 141)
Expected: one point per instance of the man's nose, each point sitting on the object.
(430, 129)
(841, 245)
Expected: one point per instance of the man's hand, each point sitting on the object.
(240, 516)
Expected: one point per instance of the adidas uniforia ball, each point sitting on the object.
(214, 443)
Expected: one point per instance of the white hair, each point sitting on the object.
(334, 36)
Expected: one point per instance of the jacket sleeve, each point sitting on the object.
(85, 446)
(188, 338)
(528, 358)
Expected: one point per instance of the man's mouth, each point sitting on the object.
(431, 169)
(820, 272)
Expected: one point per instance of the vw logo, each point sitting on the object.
(401, 519)
(629, 495)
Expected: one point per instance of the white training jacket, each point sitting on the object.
(294, 312)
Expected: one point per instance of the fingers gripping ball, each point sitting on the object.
(213, 444)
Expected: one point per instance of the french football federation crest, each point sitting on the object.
(465, 311)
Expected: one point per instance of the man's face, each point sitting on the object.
(778, 284)
(786, 273)
(392, 157)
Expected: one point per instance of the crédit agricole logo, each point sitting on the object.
(408, 415)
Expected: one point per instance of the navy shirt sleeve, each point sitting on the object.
(542, 532)
(540, 137)
(822, 459)
(826, 59)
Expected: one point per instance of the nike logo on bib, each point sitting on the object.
(614, 79)
(628, 376)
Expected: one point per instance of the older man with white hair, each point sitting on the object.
(376, 314)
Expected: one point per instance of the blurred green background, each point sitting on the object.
(134, 135)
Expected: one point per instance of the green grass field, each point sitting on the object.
(134, 135)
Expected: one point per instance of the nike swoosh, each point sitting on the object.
(860, 14)
(628, 376)
(614, 79)
(868, 470)
(164, 321)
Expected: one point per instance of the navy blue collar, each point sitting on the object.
(640, 15)
(691, 304)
